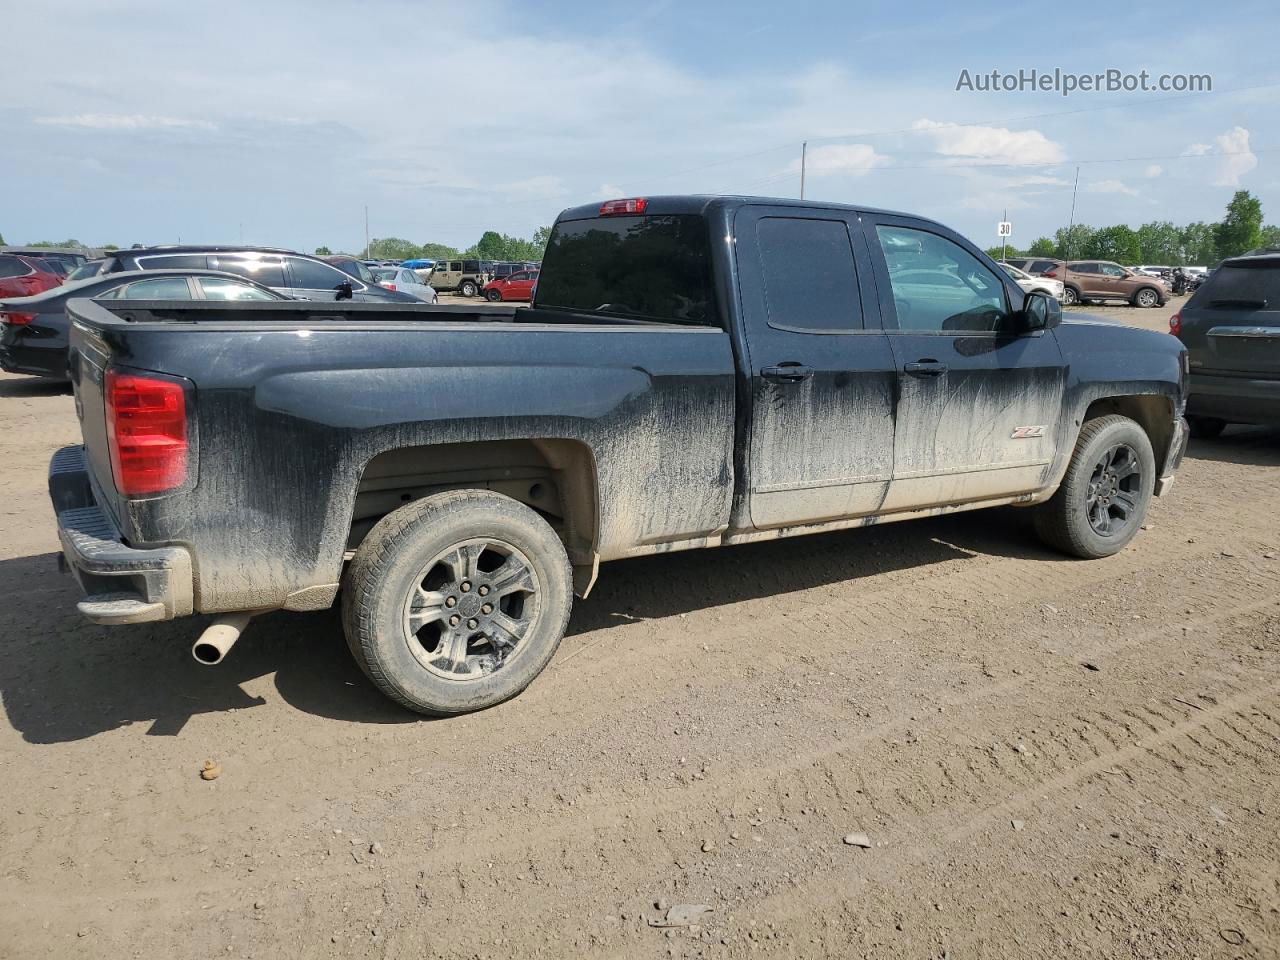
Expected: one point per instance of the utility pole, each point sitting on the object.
(1004, 241)
(366, 231)
(804, 156)
(1071, 222)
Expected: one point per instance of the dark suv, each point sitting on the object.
(295, 275)
(1231, 329)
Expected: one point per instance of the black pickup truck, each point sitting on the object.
(694, 371)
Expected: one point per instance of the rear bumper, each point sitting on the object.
(1173, 459)
(121, 584)
(1235, 399)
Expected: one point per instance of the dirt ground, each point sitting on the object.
(1048, 758)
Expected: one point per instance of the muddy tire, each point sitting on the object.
(468, 288)
(1070, 296)
(1105, 494)
(1206, 428)
(456, 602)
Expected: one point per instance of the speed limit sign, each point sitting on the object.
(1004, 229)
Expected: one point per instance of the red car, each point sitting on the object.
(518, 286)
(25, 276)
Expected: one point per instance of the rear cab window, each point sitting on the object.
(645, 267)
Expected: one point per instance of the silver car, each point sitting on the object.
(406, 281)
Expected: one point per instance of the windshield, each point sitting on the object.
(649, 267)
(384, 273)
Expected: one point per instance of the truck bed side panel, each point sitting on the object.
(289, 418)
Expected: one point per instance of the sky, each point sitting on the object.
(279, 121)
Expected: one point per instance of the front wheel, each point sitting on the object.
(469, 289)
(1106, 491)
(1070, 296)
(1146, 297)
(493, 296)
(457, 602)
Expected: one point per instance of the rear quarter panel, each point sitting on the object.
(289, 418)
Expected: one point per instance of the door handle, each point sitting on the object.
(787, 373)
(925, 368)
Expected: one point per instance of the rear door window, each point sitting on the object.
(268, 271)
(646, 267)
(810, 281)
(166, 288)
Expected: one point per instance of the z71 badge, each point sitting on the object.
(1027, 433)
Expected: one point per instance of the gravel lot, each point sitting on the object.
(1049, 758)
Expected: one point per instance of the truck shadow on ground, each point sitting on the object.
(1244, 445)
(64, 679)
(33, 387)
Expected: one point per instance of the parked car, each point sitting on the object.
(1231, 328)
(421, 267)
(1036, 266)
(1085, 280)
(67, 257)
(33, 330)
(465, 276)
(296, 275)
(352, 267)
(1151, 270)
(24, 276)
(406, 281)
(515, 286)
(478, 471)
(1027, 282)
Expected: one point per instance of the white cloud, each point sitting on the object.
(1110, 186)
(991, 144)
(1039, 180)
(533, 187)
(608, 191)
(125, 121)
(1153, 171)
(855, 159)
(1197, 150)
(1238, 159)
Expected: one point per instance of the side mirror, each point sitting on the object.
(1039, 312)
(345, 291)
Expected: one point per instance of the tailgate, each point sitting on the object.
(1251, 348)
(88, 360)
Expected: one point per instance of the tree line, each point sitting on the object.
(492, 245)
(1161, 241)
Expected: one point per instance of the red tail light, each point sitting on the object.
(1175, 324)
(612, 208)
(17, 319)
(1051, 273)
(389, 286)
(146, 433)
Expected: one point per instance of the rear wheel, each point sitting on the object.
(1070, 296)
(493, 296)
(1206, 428)
(457, 602)
(1106, 492)
(468, 288)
